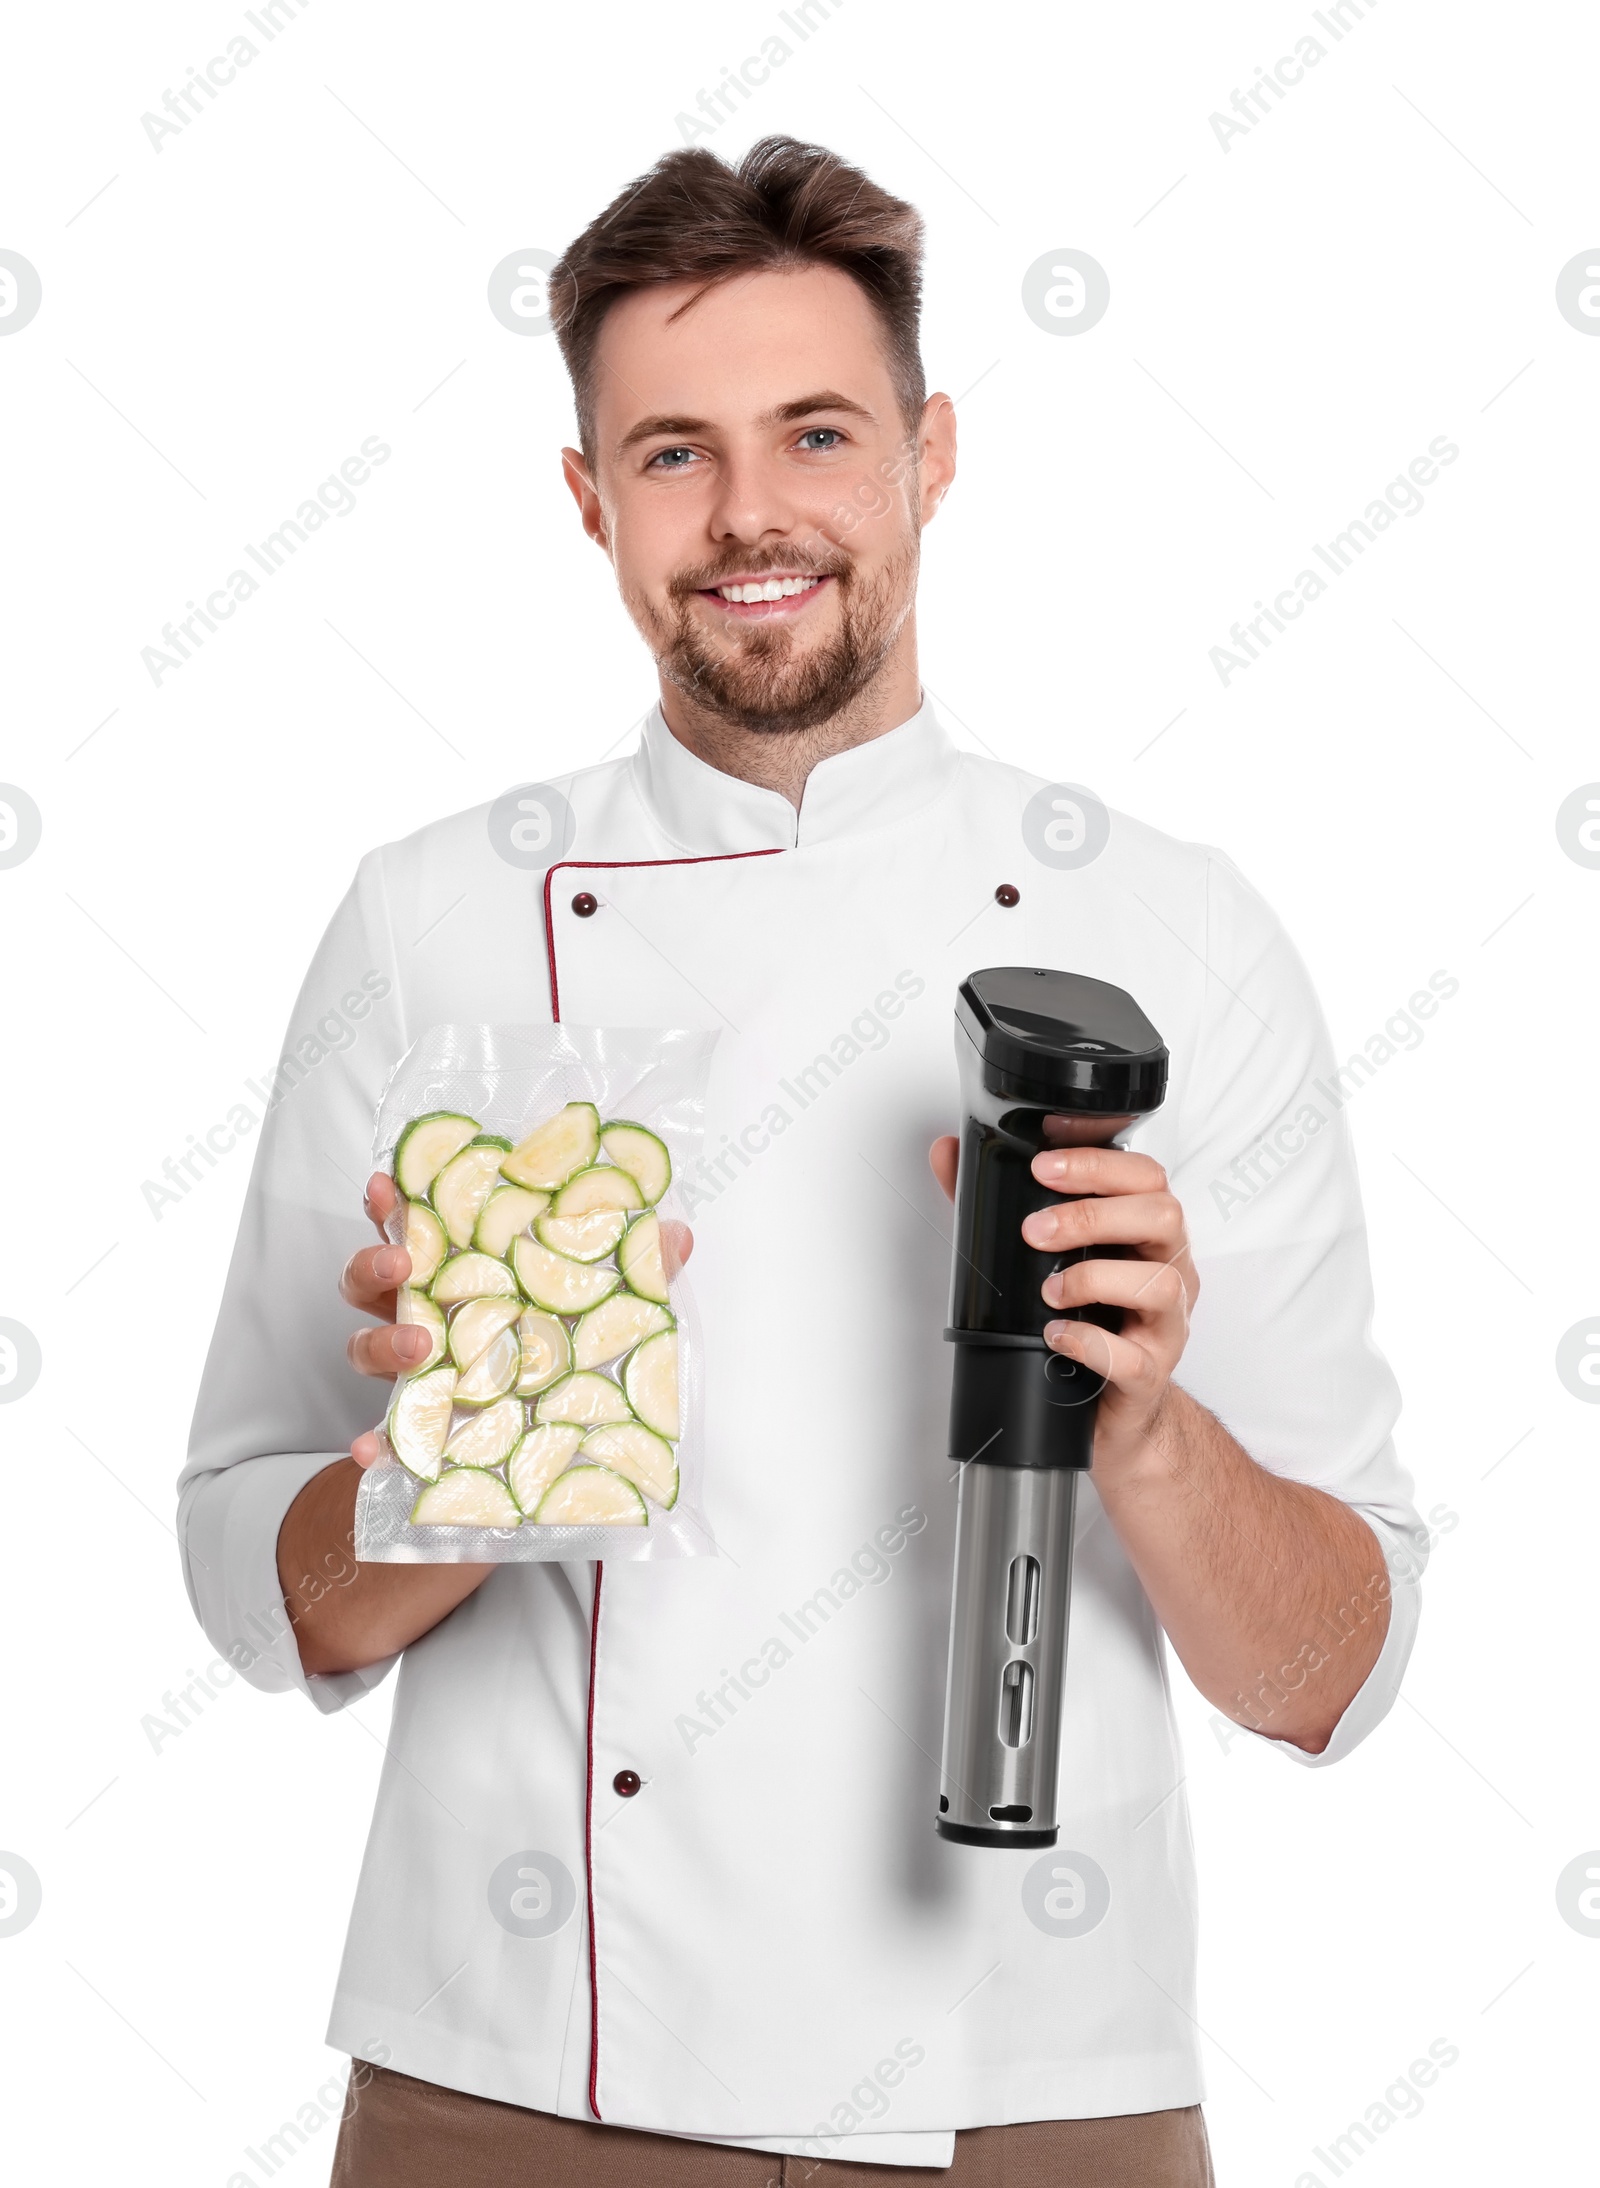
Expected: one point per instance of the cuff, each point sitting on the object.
(1374, 1699)
(228, 1524)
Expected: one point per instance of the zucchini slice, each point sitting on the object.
(476, 1324)
(650, 1380)
(582, 1238)
(641, 1154)
(568, 1141)
(425, 1242)
(465, 1183)
(508, 1210)
(639, 1259)
(546, 1351)
(472, 1276)
(557, 1283)
(466, 1497)
(608, 1331)
(602, 1186)
(417, 1309)
(487, 1437)
(542, 1454)
(585, 1398)
(419, 1421)
(591, 1496)
(426, 1145)
(493, 1373)
(639, 1455)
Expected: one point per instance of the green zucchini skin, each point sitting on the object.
(537, 1269)
(426, 1145)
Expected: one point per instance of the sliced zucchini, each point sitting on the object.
(603, 1186)
(487, 1437)
(557, 1283)
(586, 1398)
(418, 1310)
(568, 1141)
(426, 1145)
(472, 1276)
(582, 1238)
(508, 1210)
(650, 1380)
(639, 1259)
(493, 1373)
(640, 1455)
(465, 1183)
(608, 1331)
(476, 1324)
(641, 1154)
(419, 1421)
(466, 1497)
(546, 1351)
(425, 1242)
(542, 1454)
(591, 1496)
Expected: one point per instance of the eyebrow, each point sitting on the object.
(805, 406)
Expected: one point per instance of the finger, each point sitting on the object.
(367, 1450)
(370, 1278)
(388, 1352)
(677, 1244)
(1127, 1366)
(943, 1157)
(1099, 1170)
(1153, 1220)
(1148, 1288)
(382, 1197)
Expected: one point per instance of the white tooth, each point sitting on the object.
(773, 589)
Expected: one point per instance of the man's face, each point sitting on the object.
(753, 444)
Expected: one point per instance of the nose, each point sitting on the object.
(755, 503)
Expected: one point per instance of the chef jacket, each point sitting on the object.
(767, 1942)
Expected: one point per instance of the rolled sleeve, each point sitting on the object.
(228, 1524)
(279, 1400)
(1281, 1346)
(1375, 1697)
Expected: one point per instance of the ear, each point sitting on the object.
(936, 452)
(586, 494)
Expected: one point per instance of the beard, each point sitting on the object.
(769, 678)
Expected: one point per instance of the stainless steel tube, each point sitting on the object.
(1008, 1645)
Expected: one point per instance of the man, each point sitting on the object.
(759, 1960)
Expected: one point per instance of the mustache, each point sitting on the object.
(754, 566)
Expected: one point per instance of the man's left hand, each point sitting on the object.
(1128, 1204)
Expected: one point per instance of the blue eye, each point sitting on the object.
(827, 435)
(671, 459)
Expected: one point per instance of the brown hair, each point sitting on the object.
(694, 217)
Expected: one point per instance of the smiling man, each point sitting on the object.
(760, 1962)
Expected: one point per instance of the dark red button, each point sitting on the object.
(627, 1783)
(1007, 895)
(585, 905)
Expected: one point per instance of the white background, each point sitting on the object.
(1373, 265)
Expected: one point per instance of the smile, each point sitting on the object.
(782, 595)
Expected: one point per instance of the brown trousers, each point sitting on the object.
(401, 2133)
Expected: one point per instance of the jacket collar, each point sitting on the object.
(711, 814)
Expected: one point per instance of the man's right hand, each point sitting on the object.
(370, 1282)
(347, 1615)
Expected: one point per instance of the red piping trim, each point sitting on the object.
(588, 1856)
(704, 859)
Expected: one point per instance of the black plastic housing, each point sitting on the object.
(1045, 1057)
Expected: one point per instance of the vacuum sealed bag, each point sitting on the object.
(558, 1412)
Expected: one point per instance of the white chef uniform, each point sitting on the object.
(768, 1943)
